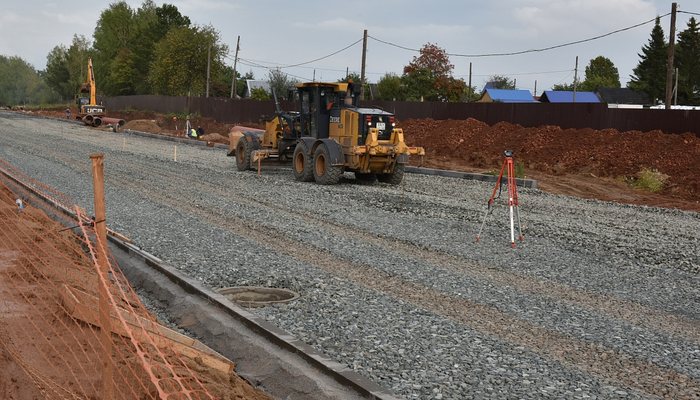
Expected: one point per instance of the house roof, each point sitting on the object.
(622, 96)
(509, 95)
(566, 96)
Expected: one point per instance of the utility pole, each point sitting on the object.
(347, 72)
(364, 58)
(575, 78)
(669, 62)
(675, 90)
(235, 61)
(208, 67)
(535, 87)
(470, 80)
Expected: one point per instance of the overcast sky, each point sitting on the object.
(284, 32)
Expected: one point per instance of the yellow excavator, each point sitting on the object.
(89, 111)
(330, 135)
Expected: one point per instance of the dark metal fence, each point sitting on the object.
(595, 116)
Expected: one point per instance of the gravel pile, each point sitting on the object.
(600, 301)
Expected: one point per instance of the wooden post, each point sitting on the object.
(105, 318)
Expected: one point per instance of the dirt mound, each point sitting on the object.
(553, 150)
(143, 125)
(215, 138)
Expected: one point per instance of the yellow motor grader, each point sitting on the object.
(329, 136)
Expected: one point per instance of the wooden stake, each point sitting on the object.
(103, 270)
(175, 154)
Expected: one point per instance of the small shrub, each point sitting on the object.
(650, 179)
(519, 169)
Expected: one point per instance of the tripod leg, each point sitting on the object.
(512, 228)
(478, 235)
(520, 228)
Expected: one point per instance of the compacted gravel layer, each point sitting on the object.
(600, 301)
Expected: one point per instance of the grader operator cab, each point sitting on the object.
(328, 136)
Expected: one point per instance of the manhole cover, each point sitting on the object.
(257, 296)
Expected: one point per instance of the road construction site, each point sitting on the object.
(601, 300)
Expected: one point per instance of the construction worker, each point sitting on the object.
(193, 133)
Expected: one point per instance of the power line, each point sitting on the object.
(531, 50)
(521, 73)
(687, 12)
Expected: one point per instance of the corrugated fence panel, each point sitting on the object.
(595, 116)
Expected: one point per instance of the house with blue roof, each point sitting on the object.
(506, 96)
(566, 96)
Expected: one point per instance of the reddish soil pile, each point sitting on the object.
(556, 151)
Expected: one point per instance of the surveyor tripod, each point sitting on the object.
(509, 169)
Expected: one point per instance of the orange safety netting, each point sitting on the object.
(50, 321)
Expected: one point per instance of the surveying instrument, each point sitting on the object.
(509, 169)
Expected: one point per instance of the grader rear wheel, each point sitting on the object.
(324, 172)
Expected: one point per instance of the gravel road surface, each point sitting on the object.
(600, 301)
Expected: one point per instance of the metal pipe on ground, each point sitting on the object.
(92, 120)
(113, 121)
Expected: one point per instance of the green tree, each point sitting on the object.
(20, 83)
(390, 87)
(125, 42)
(281, 83)
(649, 75)
(113, 33)
(568, 87)
(688, 62)
(600, 72)
(260, 94)
(179, 66)
(66, 68)
(429, 77)
(501, 82)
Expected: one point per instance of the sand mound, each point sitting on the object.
(143, 125)
(215, 137)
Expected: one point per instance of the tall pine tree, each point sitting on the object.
(688, 64)
(650, 74)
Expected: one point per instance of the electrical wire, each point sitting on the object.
(514, 53)
(688, 12)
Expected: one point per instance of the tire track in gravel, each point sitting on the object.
(595, 359)
(634, 313)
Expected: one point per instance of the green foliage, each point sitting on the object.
(650, 74)
(600, 72)
(502, 82)
(688, 62)
(281, 83)
(519, 169)
(259, 94)
(66, 68)
(21, 84)
(179, 65)
(650, 180)
(125, 43)
(429, 77)
(390, 87)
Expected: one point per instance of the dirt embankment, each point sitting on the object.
(587, 162)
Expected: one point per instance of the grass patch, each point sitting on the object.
(519, 167)
(650, 180)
